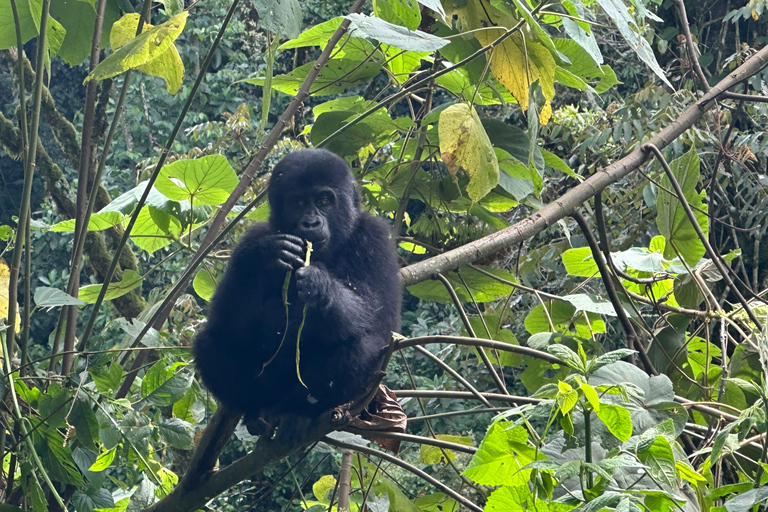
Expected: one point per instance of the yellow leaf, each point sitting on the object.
(518, 61)
(465, 145)
(166, 64)
(5, 281)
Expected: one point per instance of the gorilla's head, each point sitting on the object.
(313, 195)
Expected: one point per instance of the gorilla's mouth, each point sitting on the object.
(318, 244)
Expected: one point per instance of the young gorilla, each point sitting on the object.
(245, 356)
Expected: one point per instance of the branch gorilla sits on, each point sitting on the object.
(351, 289)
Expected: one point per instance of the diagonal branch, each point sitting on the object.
(583, 192)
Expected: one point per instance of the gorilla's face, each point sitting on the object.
(309, 213)
(313, 195)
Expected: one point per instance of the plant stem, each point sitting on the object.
(588, 444)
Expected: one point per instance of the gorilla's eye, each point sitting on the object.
(324, 200)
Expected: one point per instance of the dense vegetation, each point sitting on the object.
(578, 193)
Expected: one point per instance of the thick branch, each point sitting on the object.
(581, 193)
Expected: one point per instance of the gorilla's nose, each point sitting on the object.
(312, 223)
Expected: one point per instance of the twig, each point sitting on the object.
(714, 256)
(467, 325)
(408, 467)
(692, 53)
(445, 366)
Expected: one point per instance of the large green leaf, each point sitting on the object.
(376, 129)
(154, 229)
(98, 222)
(335, 77)
(142, 49)
(166, 65)
(279, 16)
(78, 18)
(482, 288)
(131, 279)
(396, 35)
(202, 181)
(501, 457)
(673, 223)
(29, 25)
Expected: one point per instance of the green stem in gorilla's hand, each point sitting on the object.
(303, 319)
(286, 282)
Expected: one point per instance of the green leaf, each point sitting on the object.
(617, 419)
(174, 6)
(377, 129)
(465, 145)
(154, 229)
(92, 498)
(566, 398)
(202, 181)
(29, 26)
(107, 378)
(163, 386)
(566, 355)
(396, 35)
(98, 222)
(86, 425)
(619, 12)
(78, 18)
(205, 282)
(335, 77)
(142, 49)
(481, 287)
(558, 164)
(580, 262)
(104, 460)
(279, 17)
(660, 461)
(348, 47)
(590, 303)
(177, 433)
(46, 298)
(501, 457)
(434, 455)
(130, 280)
(400, 12)
(745, 502)
(183, 409)
(674, 225)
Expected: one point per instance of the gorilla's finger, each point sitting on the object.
(285, 265)
(296, 249)
(291, 259)
(293, 239)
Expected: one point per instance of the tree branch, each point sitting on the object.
(568, 202)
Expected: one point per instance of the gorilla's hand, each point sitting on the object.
(313, 284)
(284, 251)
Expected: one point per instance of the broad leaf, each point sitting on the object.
(395, 35)
(201, 181)
(142, 49)
(465, 145)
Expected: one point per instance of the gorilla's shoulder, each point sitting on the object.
(372, 229)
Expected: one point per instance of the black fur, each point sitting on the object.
(351, 288)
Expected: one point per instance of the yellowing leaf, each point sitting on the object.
(518, 61)
(152, 52)
(5, 281)
(465, 145)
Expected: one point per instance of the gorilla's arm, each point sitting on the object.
(355, 291)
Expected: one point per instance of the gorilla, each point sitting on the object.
(244, 353)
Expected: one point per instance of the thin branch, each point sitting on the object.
(468, 326)
(713, 255)
(479, 342)
(746, 97)
(408, 467)
(84, 171)
(446, 367)
(692, 52)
